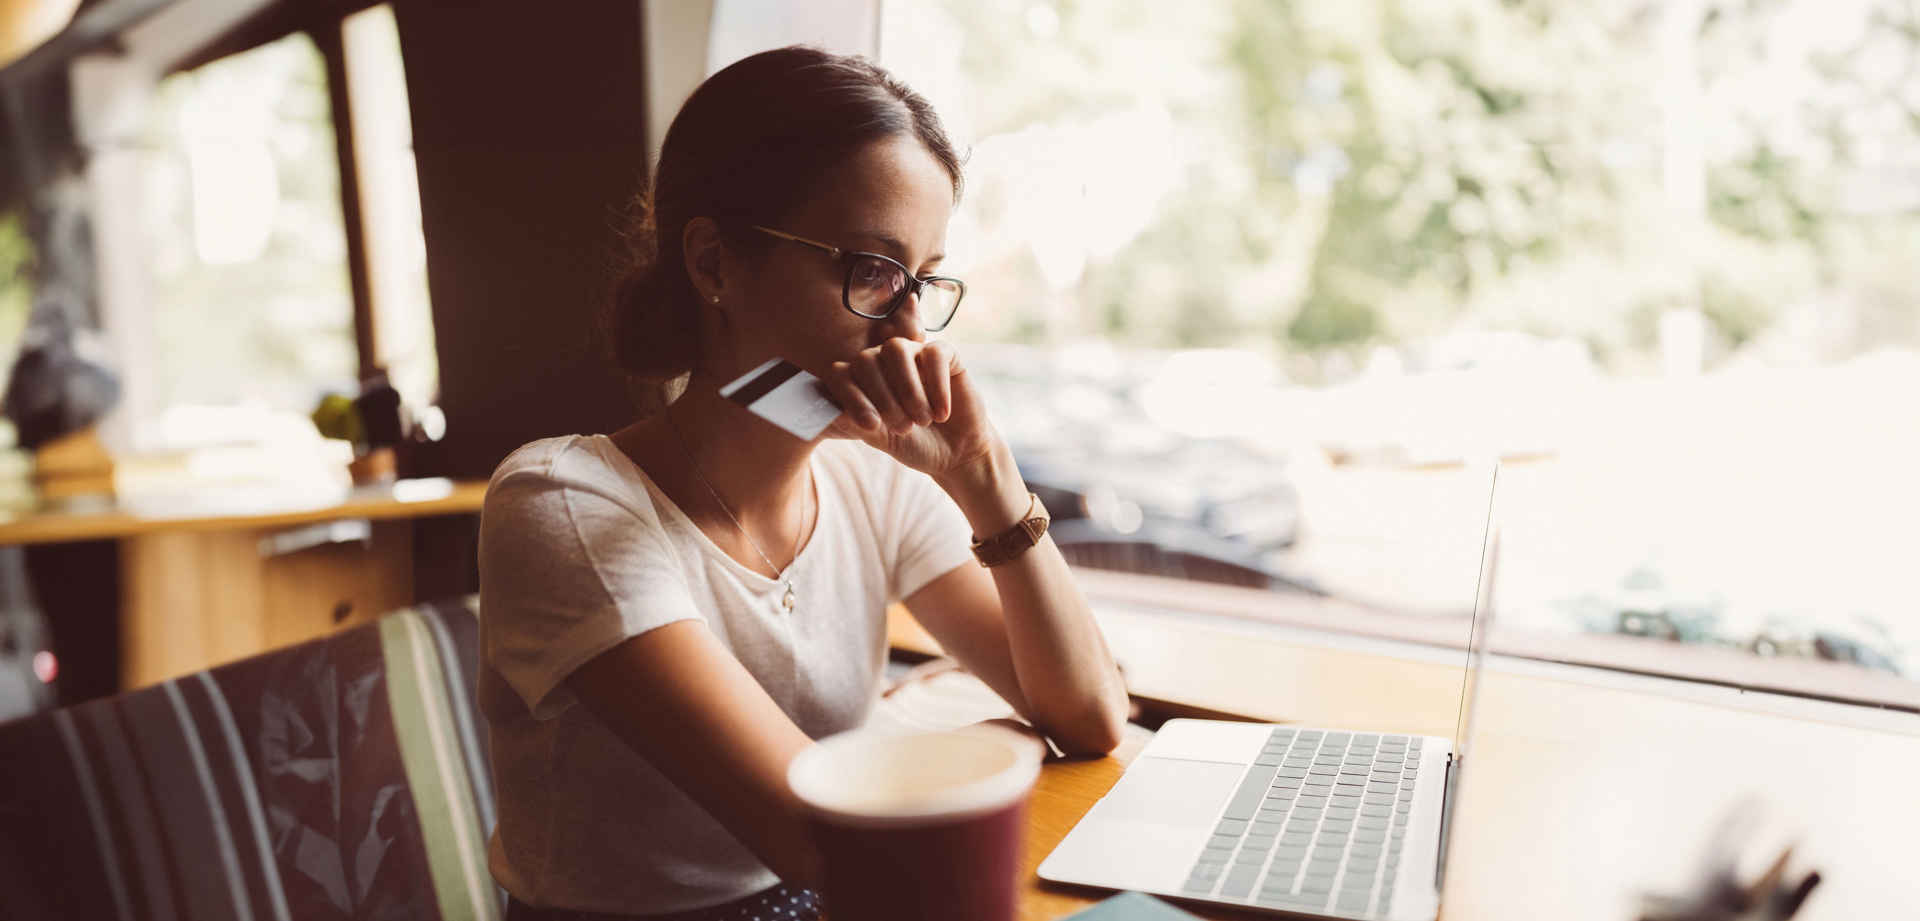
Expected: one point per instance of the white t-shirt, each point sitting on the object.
(579, 550)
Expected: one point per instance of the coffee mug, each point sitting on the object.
(922, 825)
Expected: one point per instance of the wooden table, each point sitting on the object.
(1583, 788)
(211, 578)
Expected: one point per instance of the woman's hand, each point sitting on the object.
(912, 400)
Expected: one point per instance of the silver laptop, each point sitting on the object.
(1299, 821)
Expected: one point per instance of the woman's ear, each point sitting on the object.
(704, 250)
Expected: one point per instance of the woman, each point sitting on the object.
(671, 613)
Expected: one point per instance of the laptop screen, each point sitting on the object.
(1478, 628)
(1482, 621)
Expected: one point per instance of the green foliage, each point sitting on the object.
(16, 283)
(1388, 170)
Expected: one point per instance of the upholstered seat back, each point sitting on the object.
(341, 778)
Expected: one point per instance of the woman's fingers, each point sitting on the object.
(873, 382)
(847, 394)
(904, 383)
(899, 363)
(935, 363)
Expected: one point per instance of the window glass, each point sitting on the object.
(16, 287)
(249, 286)
(1252, 282)
(390, 205)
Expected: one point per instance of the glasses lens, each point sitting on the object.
(873, 285)
(939, 300)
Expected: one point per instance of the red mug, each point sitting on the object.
(926, 825)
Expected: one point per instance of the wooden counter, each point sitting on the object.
(211, 578)
(409, 499)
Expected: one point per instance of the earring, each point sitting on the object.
(715, 299)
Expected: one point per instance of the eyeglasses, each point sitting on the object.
(876, 286)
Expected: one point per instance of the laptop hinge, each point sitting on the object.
(1446, 817)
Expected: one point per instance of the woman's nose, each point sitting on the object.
(905, 321)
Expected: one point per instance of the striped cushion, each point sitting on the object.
(340, 778)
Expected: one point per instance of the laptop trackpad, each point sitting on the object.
(1168, 791)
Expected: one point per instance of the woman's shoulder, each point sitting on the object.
(567, 463)
(560, 457)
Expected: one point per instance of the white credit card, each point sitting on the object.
(786, 396)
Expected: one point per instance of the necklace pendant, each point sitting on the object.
(786, 601)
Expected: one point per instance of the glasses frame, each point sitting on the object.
(914, 285)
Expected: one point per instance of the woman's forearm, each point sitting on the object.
(1066, 672)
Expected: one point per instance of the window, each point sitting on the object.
(249, 313)
(16, 288)
(16, 301)
(1250, 282)
(390, 205)
(249, 291)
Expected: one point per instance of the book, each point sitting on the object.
(1131, 906)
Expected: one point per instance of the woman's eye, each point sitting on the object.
(873, 274)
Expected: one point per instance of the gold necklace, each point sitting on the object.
(787, 599)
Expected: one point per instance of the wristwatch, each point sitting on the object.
(1015, 540)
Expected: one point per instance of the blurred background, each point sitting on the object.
(1261, 282)
(1256, 287)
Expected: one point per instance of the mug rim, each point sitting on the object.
(992, 793)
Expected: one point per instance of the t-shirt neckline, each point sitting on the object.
(821, 489)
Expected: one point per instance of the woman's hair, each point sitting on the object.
(747, 148)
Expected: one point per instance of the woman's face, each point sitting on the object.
(891, 197)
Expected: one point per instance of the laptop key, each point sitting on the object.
(1247, 797)
(1230, 827)
(1370, 822)
(1240, 882)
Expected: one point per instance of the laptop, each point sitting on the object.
(1291, 820)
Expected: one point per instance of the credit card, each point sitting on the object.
(786, 396)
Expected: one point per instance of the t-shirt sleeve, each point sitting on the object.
(568, 570)
(932, 535)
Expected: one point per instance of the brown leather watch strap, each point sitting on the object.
(1007, 545)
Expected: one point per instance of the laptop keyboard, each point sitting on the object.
(1318, 823)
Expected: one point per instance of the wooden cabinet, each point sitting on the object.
(190, 600)
(199, 592)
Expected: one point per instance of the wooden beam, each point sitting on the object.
(328, 38)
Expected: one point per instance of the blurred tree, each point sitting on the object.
(1391, 170)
